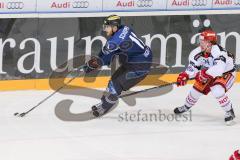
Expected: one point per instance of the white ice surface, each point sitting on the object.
(42, 136)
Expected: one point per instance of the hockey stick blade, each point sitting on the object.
(20, 115)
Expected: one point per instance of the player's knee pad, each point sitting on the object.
(218, 91)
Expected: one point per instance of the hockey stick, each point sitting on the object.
(148, 89)
(42, 101)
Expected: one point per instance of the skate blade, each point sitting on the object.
(230, 123)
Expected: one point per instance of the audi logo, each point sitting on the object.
(237, 2)
(199, 2)
(80, 4)
(144, 3)
(15, 5)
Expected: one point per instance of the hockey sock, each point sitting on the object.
(225, 103)
(192, 98)
(219, 93)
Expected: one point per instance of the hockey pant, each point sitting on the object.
(218, 88)
(124, 78)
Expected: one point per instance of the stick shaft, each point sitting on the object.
(49, 96)
(148, 89)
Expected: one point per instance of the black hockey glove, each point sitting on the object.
(93, 64)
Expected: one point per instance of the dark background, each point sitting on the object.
(45, 28)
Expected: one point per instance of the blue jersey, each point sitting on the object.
(125, 42)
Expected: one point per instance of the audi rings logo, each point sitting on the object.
(145, 3)
(80, 4)
(237, 2)
(15, 5)
(199, 2)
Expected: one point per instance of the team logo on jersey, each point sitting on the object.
(109, 47)
(112, 46)
(15, 5)
(145, 3)
(125, 45)
(190, 68)
(205, 61)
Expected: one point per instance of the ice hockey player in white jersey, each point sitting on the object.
(214, 71)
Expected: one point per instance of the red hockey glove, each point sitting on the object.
(203, 77)
(235, 156)
(182, 79)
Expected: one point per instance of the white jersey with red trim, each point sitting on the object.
(220, 61)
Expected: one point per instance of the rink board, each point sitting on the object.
(99, 82)
(39, 45)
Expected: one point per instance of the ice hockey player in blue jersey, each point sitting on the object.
(134, 56)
